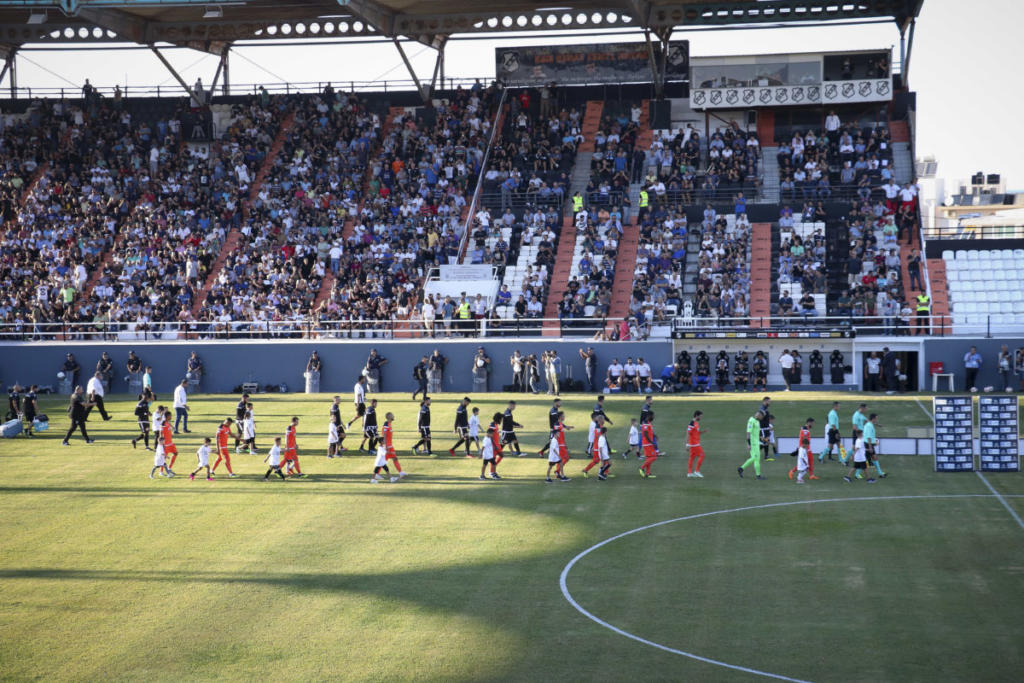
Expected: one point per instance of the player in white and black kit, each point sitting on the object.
(461, 427)
(556, 408)
(370, 427)
(599, 409)
(508, 429)
(423, 424)
(359, 399)
(142, 413)
(240, 409)
(338, 423)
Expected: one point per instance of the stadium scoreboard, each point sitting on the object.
(999, 446)
(954, 433)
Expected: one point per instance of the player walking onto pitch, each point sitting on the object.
(143, 416)
(359, 400)
(240, 409)
(649, 445)
(871, 444)
(860, 459)
(602, 454)
(633, 440)
(474, 427)
(832, 436)
(203, 461)
(594, 432)
(556, 407)
(804, 456)
(754, 442)
(168, 442)
(333, 440)
(160, 463)
(274, 461)
(487, 454)
(339, 428)
(423, 424)
(859, 418)
(495, 430)
(223, 434)
(693, 432)
(555, 455)
(249, 430)
(370, 427)
(385, 452)
(508, 429)
(461, 427)
(291, 450)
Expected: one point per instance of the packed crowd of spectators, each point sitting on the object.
(660, 265)
(842, 161)
(802, 260)
(723, 267)
(678, 172)
(616, 159)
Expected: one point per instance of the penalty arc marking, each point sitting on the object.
(707, 660)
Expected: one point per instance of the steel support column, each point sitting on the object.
(177, 77)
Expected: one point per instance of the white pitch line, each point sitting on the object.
(921, 406)
(707, 660)
(999, 497)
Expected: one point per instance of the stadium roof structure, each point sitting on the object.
(214, 25)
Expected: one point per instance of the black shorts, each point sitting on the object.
(360, 409)
(143, 425)
(869, 449)
(833, 437)
(507, 437)
(370, 432)
(463, 432)
(425, 432)
(860, 465)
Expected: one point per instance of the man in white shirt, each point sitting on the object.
(181, 406)
(614, 378)
(786, 361)
(832, 124)
(643, 371)
(94, 390)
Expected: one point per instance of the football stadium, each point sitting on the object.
(435, 341)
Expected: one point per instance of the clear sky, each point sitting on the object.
(965, 67)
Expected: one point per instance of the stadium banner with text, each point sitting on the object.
(611, 63)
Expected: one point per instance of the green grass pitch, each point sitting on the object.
(107, 575)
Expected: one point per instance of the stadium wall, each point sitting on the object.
(229, 364)
(950, 352)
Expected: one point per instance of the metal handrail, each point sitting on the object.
(981, 232)
(499, 115)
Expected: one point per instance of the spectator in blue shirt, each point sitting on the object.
(972, 362)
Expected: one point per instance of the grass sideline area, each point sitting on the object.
(441, 577)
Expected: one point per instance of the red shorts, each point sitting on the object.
(392, 455)
(290, 455)
(170, 449)
(649, 452)
(564, 455)
(224, 452)
(696, 450)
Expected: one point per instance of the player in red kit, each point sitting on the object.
(693, 432)
(389, 445)
(223, 434)
(167, 434)
(291, 450)
(648, 447)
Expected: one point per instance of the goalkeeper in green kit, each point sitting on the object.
(754, 440)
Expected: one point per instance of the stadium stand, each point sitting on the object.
(983, 287)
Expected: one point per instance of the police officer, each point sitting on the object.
(374, 378)
(76, 411)
(194, 370)
(71, 368)
(134, 367)
(435, 371)
(481, 370)
(924, 309)
(419, 373)
(105, 366)
(465, 314)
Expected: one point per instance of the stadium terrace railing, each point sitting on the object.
(981, 232)
(836, 326)
(410, 329)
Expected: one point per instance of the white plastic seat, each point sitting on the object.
(972, 255)
(947, 255)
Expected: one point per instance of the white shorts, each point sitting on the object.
(634, 444)
(605, 457)
(204, 460)
(382, 457)
(554, 457)
(488, 457)
(158, 458)
(802, 461)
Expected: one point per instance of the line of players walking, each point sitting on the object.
(863, 441)
(499, 440)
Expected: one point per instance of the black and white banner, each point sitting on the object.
(829, 92)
